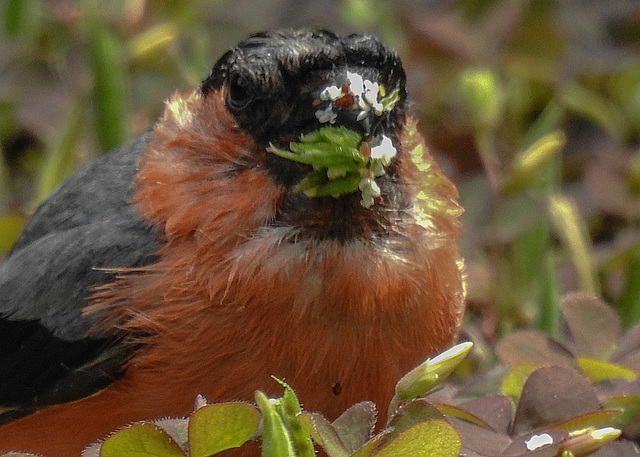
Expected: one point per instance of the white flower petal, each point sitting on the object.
(385, 150)
(331, 93)
(378, 109)
(367, 202)
(371, 92)
(326, 115)
(375, 189)
(356, 84)
(369, 187)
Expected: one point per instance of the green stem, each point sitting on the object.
(629, 303)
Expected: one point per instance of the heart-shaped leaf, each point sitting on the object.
(480, 440)
(551, 395)
(141, 440)
(494, 410)
(587, 317)
(214, 428)
(434, 438)
(355, 425)
(528, 347)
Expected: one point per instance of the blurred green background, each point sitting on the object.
(531, 107)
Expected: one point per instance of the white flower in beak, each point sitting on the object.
(385, 151)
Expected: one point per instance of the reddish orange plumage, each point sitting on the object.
(234, 298)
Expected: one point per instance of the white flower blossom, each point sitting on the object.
(331, 93)
(370, 95)
(326, 115)
(385, 151)
(356, 83)
(370, 191)
(363, 113)
(366, 96)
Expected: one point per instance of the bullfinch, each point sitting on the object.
(282, 219)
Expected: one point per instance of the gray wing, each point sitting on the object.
(46, 355)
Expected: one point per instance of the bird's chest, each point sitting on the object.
(339, 324)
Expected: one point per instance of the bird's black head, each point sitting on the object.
(284, 87)
(274, 83)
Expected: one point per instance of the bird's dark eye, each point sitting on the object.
(239, 93)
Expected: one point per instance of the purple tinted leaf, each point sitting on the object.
(92, 450)
(617, 449)
(629, 342)
(619, 388)
(200, 402)
(479, 439)
(551, 395)
(528, 347)
(590, 432)
(585, 442)
(631, 360)
(594, 326)
(355, 425)
(591, 421)
(495, 410)
(177, 428)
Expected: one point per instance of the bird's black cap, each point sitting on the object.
(272, 80)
